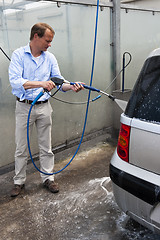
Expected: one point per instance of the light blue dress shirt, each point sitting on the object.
(24, 68)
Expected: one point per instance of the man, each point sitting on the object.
(30, 71)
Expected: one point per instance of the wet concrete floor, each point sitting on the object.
(83, 209)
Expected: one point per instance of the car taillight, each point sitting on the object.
(123, 142)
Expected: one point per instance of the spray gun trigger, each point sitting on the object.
(57, 81)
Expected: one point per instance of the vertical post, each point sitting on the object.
(116, 59)
(123, 72)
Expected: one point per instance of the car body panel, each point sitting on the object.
(137, 197)
(137, 209)
(144, 142)
(136, 179)
(144, 137)
(135, 171)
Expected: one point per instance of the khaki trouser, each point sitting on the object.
(41, 116)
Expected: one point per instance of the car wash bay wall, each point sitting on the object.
(139, 36)
(73, 47)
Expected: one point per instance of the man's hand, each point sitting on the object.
(49, 85)
(76, 87)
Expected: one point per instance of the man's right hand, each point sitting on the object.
(49, 85)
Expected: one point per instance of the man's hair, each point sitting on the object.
(40, 29)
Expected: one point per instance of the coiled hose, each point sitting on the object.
(86, 115)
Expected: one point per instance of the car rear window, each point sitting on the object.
(144, 102)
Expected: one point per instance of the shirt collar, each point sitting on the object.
(28, 50)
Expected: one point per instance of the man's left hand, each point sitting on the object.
(77, 86)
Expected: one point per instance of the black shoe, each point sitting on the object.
(51, 185)
(16, 190)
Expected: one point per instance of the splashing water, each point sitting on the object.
(121, 103)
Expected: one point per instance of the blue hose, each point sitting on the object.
(85, 121)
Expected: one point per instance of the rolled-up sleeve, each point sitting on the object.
(15, 74)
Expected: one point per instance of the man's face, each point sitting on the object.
(44, 42)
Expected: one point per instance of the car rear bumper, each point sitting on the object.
(140, 188)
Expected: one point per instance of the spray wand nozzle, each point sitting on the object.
(111, 97)
(60, 81)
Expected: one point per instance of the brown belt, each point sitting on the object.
(30, 102)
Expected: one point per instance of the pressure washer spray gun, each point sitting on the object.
(121, 103)
(60, 81)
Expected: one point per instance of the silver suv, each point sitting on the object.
(135, 165)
